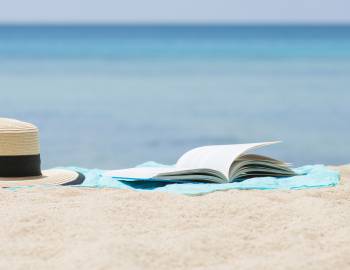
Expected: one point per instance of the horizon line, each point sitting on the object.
(242, 23)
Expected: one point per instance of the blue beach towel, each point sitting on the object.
(310, 176)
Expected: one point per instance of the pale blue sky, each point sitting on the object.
(178, 11)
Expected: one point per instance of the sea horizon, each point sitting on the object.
(173, 23)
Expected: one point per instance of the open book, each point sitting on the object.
(214, 163)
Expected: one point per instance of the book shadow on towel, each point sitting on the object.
(146, 185)
(153, 184)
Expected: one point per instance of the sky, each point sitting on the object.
(174, 11)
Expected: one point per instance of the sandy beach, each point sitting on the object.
(70, 228)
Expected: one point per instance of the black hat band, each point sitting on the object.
(20, 166)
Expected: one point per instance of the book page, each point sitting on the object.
(202, 160)
(138, 173)
(216, 157)
(165, 174)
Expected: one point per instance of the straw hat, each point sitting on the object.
(20, 158)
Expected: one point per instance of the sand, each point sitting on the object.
(67, 228)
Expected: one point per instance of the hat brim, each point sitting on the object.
(48, 177)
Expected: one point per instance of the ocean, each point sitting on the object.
(113, 96)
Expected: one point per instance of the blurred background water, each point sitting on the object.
(113, 96)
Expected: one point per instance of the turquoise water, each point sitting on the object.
(115, 96)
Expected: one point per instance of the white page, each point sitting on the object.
(138, 173)
(216, 157)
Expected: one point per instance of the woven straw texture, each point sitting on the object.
(18, 138)
(49, 177)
